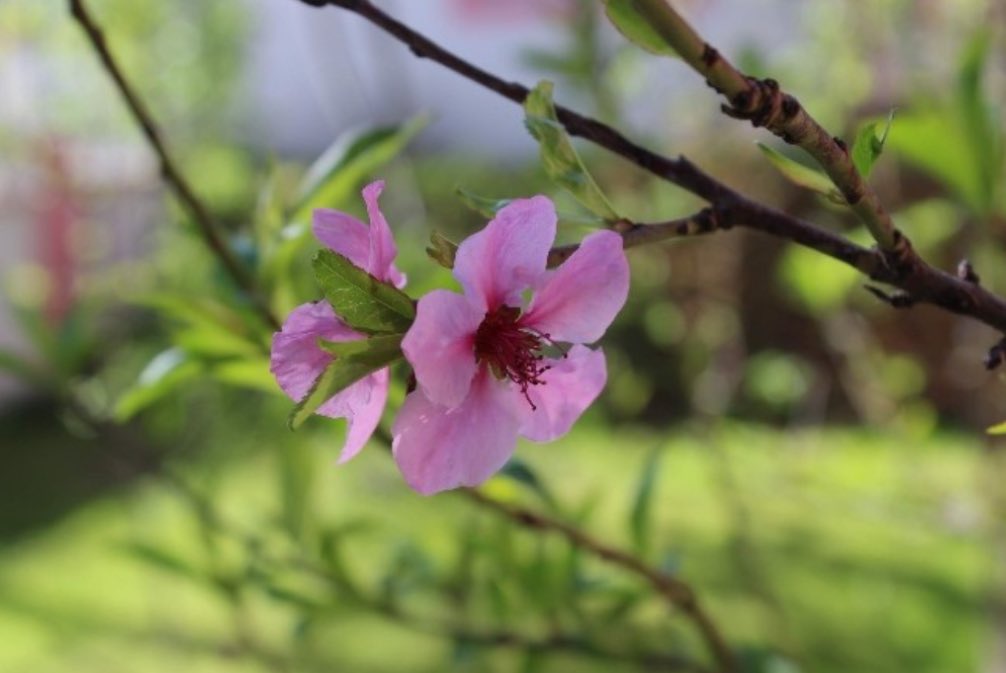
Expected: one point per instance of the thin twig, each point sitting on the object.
(902, 267)
(706, 221)
(174, 178)
(676, 592)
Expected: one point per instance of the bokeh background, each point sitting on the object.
(812, 461)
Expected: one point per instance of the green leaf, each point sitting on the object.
(634, 26)
(345, 371)
(558, 156)
(868, 145)
(252, 374)
(522, 473)
(363, 302)
(978, 120)
(801, 175)
(931, 141)
(350, 159)
(163, 374)
(343, 349)
(640, 517)
(997, 429)
(482, 205)
(442, 250)
(163, 559)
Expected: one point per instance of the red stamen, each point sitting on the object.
(511, 350)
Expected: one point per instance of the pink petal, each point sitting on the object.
(578, 301)
(362, 404)
(572, 384)
(296, 359)
(297, 362)
(496, 264)
(382, 249)
(440, 346)
(438, 448)
(343, 234)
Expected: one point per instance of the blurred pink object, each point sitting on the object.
(56, 214)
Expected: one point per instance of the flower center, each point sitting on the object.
(512, 351)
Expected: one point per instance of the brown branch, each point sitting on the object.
(900, 267)
(634, 234)
(676, 592)
(172, 176)
(763, 103)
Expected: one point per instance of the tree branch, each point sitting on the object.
(676, 592)
(176, 181)
(900, 266)
(763, 103)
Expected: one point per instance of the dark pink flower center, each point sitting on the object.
(511, 350)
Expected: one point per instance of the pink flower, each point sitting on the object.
(297, 361)
(489, 370)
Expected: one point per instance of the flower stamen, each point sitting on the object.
(511, 350)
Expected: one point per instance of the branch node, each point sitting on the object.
(895, 299)
(841, 144)
(967, 273)
(996, 355)
(762, 103)
(901, 257)
(709, 55)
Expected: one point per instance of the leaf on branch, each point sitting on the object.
(801, 175)
(363, 302)
(355, 360)
(165, 373)
(869, 144)
(635, 27)
(558, 156)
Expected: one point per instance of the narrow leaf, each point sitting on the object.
(799, 174)
(162, 375)
(639, 517)
(344, 372)
(635, 27)
(558, 156)
(483, 205)
(363, 302)
(868, 145)
(351, 158)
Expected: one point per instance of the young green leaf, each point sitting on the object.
(634, 26)
(801, 175)
(344, 372)
(166, 372)
(442, 250)
(345, 349)
(558, 156)
(363, 302)
(868, 145)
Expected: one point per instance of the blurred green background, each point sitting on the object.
(811, 461)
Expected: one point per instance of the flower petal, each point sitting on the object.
(579, 300)
(296, 359)
(362, 404)
(496, 264)
(382, 250)
(440, 346)
(343, 234)
(572, 384)
(297, 362)
(438, 448)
